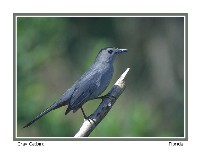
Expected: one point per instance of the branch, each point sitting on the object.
(107, 102)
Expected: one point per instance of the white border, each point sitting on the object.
(70, 138)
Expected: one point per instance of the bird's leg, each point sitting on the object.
(87, 118)
(84, 113)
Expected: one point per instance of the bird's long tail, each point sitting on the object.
(52, 107)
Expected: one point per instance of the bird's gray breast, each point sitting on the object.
(104, 79)
(90, 85)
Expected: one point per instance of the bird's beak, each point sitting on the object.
(118, 51)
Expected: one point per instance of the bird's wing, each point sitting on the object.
(84, 90)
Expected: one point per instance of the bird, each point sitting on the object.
(90, 85)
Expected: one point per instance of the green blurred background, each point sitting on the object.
(53, 52)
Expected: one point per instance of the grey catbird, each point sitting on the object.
(91, 84)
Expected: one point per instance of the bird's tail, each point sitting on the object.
(52, 107)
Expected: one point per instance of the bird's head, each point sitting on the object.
(108, 54)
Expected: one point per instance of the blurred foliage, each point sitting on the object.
(53, 52)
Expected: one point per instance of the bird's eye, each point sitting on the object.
(110, 51)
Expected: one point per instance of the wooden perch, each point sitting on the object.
(107, 102)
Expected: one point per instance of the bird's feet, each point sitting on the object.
(106, 96)
(87, 117)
